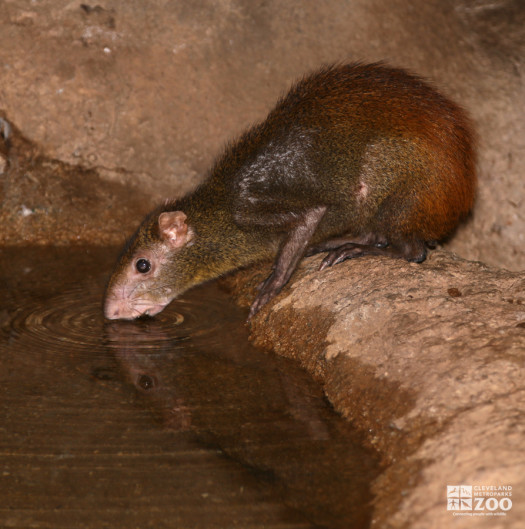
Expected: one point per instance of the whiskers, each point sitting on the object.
(163, 287)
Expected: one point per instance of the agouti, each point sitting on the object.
(358, 159)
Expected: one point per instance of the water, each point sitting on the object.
(174, 421)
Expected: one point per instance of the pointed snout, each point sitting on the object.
(124, 309)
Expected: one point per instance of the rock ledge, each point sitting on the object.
(426, 359)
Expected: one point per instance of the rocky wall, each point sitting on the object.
(147, 93)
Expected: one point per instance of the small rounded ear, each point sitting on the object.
(173, 228)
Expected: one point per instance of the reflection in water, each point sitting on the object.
(256, 408)
(242, 423)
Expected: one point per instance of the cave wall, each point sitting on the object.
(145, 94)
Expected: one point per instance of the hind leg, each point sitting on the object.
(414, 251)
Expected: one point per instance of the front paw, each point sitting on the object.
(268, 289)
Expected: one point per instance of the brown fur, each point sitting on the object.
(356, 159)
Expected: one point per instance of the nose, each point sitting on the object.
(115, 309)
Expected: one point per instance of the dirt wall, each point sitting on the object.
(147, 93)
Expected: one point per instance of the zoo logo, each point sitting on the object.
(479, 499)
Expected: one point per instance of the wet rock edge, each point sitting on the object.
(470, 319)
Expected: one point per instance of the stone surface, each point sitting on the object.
(147, 93)
(426, 359)
(49, 202)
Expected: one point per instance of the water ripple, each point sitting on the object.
(72, 321)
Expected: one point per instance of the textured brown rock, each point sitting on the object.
(427, 359)
(148, 92)
(47, 201)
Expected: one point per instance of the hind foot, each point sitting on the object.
(414, 252)
(369, 239)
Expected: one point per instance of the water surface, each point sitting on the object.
(172, 421)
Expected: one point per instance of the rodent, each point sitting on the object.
(357, 159)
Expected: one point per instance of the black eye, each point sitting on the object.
(143, 266)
